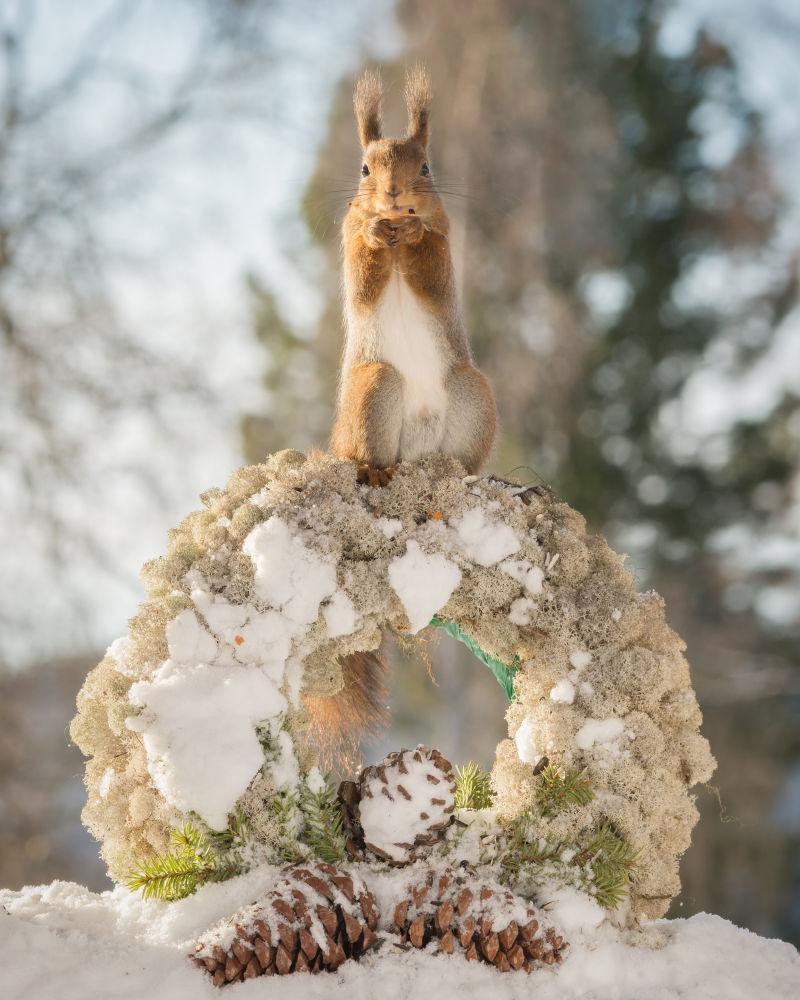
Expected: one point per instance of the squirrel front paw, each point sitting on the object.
(409, 229)
(380, 233)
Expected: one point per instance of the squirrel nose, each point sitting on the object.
(393, 192)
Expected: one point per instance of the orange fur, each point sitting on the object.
(367, 105)
(470, 390)
(418, 102)
(366, 412)
(358, 712)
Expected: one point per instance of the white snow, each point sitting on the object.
(263, 638)
(521, 610)
(484, 541)
(572, 909)
(390, 526)
(563, 692)
(389, 829)
(525, 739)
(531, 577)
(223, 616)
(119, 650)
(62, 942)
(580, 659)
(265, 641)
(288, 574)
(315, 780)
(104, 784)
(423, 582)
(340, 615)
(198, 726)
(604, 732)
(188, 641)
(201, 706)
(285, 769)
(294, 679)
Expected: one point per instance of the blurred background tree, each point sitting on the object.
(624, 232)
(694, 200)
(85, 119)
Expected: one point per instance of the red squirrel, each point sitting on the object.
(408, 385)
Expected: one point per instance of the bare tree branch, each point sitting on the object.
(66, 352)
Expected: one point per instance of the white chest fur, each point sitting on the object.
(407, 337)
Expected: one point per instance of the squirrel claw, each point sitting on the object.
(369, 476)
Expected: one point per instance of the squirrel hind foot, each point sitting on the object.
(368, 475)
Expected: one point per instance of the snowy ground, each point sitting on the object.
(61, 941)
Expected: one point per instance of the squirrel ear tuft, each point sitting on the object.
(367, 99)
(418, 103)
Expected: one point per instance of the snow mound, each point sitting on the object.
(288, 574)
(423, 583)
(199, 731)
(62, 942)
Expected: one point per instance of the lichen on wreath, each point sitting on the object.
(195, 722)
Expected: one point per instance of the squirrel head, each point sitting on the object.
(395, 174)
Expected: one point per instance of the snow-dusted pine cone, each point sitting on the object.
(487, 923)
(401, 807)
(315, 918)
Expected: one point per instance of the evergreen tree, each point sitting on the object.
(632, 460)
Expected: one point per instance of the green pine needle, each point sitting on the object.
(286, 809)
(609, 861)
(324, 828)
(187, 864)
(525, 852)
(603, 864)
(559, 789)
(473, 787)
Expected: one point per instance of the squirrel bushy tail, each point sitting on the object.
(359, 711)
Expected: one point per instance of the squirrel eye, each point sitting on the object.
(365, 171)
(425, 171)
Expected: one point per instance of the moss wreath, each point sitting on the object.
(200, 764)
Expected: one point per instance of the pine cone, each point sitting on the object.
(486, 923)
(314, 919)
(400, 808)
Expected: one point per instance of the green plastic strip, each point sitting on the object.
(503, 673)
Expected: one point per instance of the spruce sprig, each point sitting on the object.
(524, 852)
(558, 789)
(473, 787)
(177, 872)
(324, 827)
(604, 865)
(608, 860)
(603, 861)
(286, 810)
